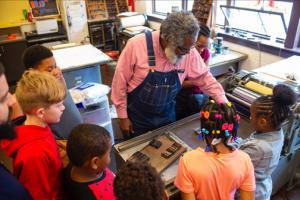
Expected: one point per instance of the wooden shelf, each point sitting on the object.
(105, 9)
(201, 10)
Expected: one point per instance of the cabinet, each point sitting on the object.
(102, 34)
(11, 56)
(99, 116)
(123, 37)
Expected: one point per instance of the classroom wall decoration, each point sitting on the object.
(201, 10)
(42, 8)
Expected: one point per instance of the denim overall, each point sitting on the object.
(152, 103)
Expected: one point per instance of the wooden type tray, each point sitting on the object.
(154, 155)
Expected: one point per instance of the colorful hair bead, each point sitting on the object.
(218, 131)
(237, 117)
(204, 131)
(201, 114)
(213, 132)
(224, 126)
(206, 114)
(226, 133)
(212, 101)
(229, 104)
(218, 116)
(200, 137)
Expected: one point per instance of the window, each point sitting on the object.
(220, 18)
(268, 18)
(190, 4)
(163, 7)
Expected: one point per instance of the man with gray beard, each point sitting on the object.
(150, 71)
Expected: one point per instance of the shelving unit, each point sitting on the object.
(201, 10)
(105, 9)
(102, 34)
(102, 14)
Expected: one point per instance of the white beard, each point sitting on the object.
(172, 57)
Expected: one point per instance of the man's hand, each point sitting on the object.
(126, 126)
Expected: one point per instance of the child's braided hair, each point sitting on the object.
(219, 121)
(276, 107)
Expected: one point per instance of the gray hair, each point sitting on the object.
(177, 25)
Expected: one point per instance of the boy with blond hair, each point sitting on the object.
(36, 162)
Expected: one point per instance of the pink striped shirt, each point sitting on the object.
(132, 68)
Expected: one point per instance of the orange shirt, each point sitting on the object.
(215, 176)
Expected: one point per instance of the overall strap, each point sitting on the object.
(150, 50)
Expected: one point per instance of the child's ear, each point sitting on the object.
(262, 122)
(95, 163)
(39, 112)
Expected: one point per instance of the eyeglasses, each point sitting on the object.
(200, 46)
(183, 50)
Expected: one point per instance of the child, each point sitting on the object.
(137, 181)
(265, 145)
(40, 58)
(36, 161)
(202, 43)
(87, 177)
(219, 170)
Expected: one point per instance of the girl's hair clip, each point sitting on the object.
(201, 114)
(216, 132)
(224, 126)
(200, 137)
(237, 117)
(205, 131)
(206, 114)
(226, 133)
(218, 116)
(229, 104)
(230, 127)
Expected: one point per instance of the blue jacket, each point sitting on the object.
(10, 188)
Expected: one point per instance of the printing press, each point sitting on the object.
(242, 89)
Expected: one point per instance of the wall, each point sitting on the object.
(255, 58)
(143, 6)
(11, 12)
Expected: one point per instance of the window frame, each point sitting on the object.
(293, 29)
(258, 12)
(183, 4)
